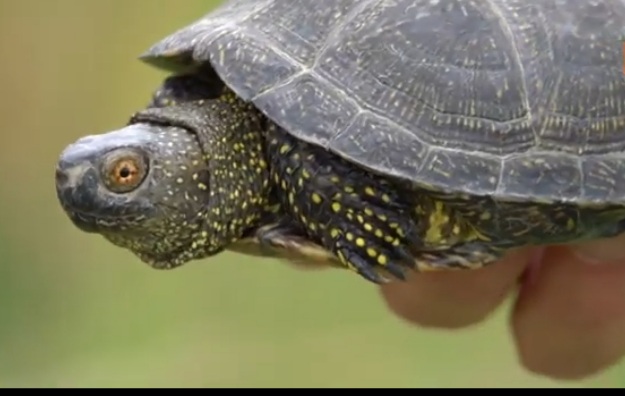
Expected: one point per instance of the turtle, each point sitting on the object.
(379, 136)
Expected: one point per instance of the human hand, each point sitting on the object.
(568, 319)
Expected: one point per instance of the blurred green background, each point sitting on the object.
(76, 311)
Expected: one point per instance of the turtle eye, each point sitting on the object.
(124, 171)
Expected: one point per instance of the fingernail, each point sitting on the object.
(601, 250)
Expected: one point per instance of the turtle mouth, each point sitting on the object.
(96, 223)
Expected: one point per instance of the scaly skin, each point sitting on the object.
(200, 171)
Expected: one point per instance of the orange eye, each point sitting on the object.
(124, 173)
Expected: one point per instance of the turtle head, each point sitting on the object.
(182, 181)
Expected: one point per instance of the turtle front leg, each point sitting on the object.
(351, 214)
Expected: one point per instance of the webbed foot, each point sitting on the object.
(369, 237)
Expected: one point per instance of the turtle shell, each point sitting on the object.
(520, 100)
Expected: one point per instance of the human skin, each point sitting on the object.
(568, 318)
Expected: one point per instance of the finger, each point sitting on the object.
(452, 299)
(569, 322)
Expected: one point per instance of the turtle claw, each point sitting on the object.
(397, 271)
(357, 263)
(406, 256)
(370, 256)
(355, 259)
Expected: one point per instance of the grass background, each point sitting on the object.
(75, 311)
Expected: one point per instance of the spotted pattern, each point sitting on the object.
(349, 212)
(229, 135)
(177, 190)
